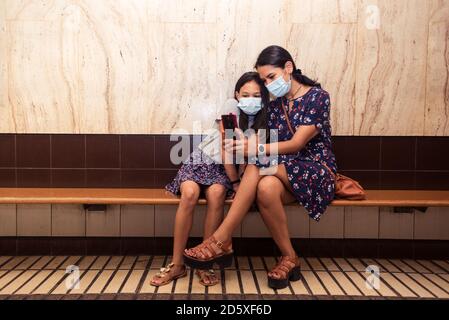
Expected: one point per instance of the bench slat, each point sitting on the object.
(375, 198)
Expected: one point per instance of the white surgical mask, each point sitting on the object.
(279, 87)
(251, 105)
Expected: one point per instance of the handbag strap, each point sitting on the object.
(287, 118)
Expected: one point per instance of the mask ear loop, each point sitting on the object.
(291, 74)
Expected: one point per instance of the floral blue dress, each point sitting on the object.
(201, 169)
(312, 183)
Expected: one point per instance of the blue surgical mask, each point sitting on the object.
(251, 105)
(279, 87)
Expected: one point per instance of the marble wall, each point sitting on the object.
(137, 66)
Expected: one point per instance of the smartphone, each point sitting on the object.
(229, 123)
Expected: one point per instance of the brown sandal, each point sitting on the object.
(287, 269)
(209, 252)
(164, 273)
(209, 274)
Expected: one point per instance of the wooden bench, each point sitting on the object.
(398, 217)
(105, 196)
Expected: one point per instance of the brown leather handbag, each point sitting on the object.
(345, 187)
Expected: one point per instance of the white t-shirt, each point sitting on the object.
(211, 145)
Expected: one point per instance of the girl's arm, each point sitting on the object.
(230, 169)
(233, 175)
(231, 172)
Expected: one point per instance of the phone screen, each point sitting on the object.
(229, 123)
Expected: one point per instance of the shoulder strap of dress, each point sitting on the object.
(287, 119)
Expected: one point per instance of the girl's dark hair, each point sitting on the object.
(277, 56)
(260, 122)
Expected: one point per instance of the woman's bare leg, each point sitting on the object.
(273, 192)
(271, 197)
(239, 208)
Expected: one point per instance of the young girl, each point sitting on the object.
(200, 174)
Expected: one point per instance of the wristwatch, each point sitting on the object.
(261, 149)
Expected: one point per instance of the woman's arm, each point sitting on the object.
(301, 138)
(316, 116)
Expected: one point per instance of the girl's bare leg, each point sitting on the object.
(215, 196)
(190, 192)
(240, 205)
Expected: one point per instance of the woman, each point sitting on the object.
(202, 174)
(302, 173)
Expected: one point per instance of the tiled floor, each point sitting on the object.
(127, 277)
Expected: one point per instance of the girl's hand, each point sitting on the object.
(242, 169)
(241, 147)
(236, 188)
(229, 146)
(228, 157)
(238, 146)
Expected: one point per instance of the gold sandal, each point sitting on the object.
(164, 273)
(210, 274)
